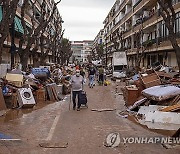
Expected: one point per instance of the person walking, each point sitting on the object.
(77, 82)
(101, 75)
(91, 74)
(82, 72)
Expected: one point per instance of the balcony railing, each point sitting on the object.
(166, 38)
(137, 4)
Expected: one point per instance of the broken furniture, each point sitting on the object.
(131, 94)
(171, 108)
(138, 103)
(16, 79)
(153, 117)
(163, 120)
(11, 100)
(41, 95)
(51, 92)
(2, 102)
(59, 89)
(150, 79)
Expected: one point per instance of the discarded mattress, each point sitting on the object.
(162, 92)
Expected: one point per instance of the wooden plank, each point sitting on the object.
(171, 108)
(54, 145)
(54, 93)
(51, 97)
(176, 99)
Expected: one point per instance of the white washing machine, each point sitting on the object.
(25, 97)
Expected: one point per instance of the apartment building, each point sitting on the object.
(19, 31)
(81, 50)
(99, 40)
(77, 49)
(87, 49)
(136, 27)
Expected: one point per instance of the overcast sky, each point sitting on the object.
(83, 18)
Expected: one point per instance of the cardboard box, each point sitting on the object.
(16, 79)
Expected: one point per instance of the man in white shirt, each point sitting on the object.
(77, 82)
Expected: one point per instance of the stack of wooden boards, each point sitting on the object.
(52, 93)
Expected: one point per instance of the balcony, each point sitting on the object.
(140, 4)
(149, 43)
(151, 20)
(127, 33)
(122, 5)
(126, 17)
(131, 51)
(146, 22)
(137, 3)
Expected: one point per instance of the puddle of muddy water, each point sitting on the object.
(13, 114)
(162, 132)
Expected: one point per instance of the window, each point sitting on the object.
(20, 3)
(175, 1)
(177, 23)
(163, 31)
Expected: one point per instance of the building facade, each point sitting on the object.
(81, 50)
(19, 31)
(77, 49)
(87, 50)
(136, 27)
(99, 40)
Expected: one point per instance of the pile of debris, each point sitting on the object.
(25, 89)
(154, 98)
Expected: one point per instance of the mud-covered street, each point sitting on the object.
(53, 128)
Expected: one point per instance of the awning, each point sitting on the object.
(18, 25)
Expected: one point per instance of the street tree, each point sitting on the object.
(89, 58)
(100, 50)
(32, 37)
(8, 8)
(64, 51)
(169, 16)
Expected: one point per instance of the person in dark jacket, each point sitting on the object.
(91, 74)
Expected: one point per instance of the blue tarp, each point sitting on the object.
(3, 136)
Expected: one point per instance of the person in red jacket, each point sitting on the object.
(77, 67)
